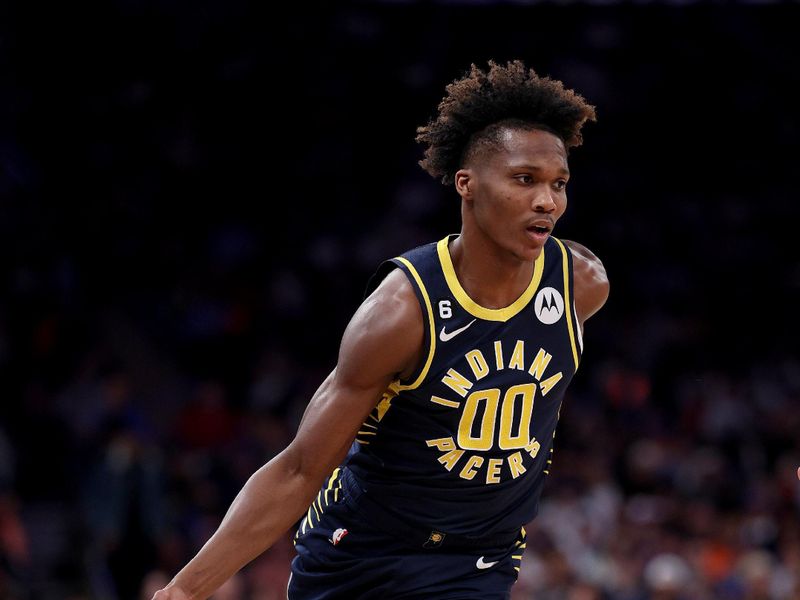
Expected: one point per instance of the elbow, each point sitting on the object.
(291, 462)
(301, 464)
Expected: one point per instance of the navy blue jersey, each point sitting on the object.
(464, 444)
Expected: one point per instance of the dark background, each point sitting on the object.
(193, 196)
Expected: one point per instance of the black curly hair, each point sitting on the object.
(477, 107)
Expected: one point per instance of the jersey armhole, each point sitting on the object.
(578, 332)
(571, 313)
(429, 338)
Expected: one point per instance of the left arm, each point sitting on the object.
(590, 281)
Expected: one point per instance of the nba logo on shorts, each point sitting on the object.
(337, 536)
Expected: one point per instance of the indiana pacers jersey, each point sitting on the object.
(464, 444)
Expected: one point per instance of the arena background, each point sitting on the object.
(193, 195)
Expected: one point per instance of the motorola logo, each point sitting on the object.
(549, 305)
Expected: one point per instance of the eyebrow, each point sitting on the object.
(562, 170)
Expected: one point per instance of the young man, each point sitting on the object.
(424, 452)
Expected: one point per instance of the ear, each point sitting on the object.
(464, 183)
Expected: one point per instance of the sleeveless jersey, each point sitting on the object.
(464, 444)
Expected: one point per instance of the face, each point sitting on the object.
(514, 197)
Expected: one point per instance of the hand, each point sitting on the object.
(171, 593)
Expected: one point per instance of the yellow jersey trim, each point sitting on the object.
(421, 377)
(475, 309)
(568, 302)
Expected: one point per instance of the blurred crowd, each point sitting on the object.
(106, 495)
(192, 201)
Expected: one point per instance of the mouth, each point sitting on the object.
(539, 230)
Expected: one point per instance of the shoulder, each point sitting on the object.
(590, 280)
(417, 260)
(585, 261)
(387, 329)
(393, 295)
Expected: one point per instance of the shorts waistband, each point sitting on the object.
(415, 534)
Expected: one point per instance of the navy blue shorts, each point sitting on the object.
(342, 554)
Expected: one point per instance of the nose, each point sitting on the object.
(543, 201)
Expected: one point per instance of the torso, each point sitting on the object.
(464, 442)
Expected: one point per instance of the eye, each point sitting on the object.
(526, 179)
(561, 184)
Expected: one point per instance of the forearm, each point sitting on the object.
(272, 500)
(278, 494)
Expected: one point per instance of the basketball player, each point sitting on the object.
(424, 452)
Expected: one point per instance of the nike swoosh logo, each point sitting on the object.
(446, 337)
(484, 565)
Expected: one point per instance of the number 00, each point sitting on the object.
(488, 400)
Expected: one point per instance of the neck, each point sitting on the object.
(492, 276)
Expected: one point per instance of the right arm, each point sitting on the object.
(382, 342)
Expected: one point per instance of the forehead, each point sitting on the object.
(518, 146)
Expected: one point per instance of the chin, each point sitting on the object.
(529, 253)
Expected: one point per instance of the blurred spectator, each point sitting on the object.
(668, 577)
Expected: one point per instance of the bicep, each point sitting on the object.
(382, 339)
